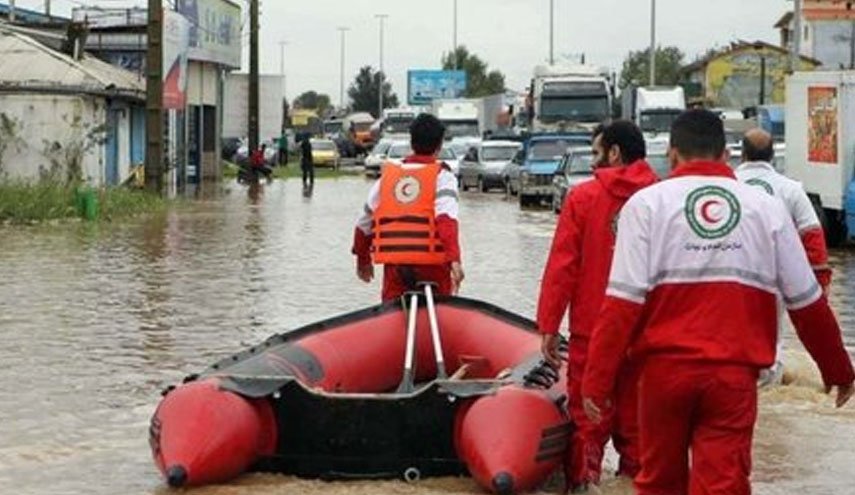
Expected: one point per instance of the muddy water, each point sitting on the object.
(95, 320)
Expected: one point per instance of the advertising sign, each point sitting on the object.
(822, 127)
(215, 31)
(424, 86)
(176, 43)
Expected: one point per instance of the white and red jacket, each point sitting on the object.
(699, 262)
(764, 176)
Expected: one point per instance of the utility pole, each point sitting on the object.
(342, 31)
(47, 9)
(382, 74)
(154, 153)
(653, 42)
(551, 32)
(252, 125)
(12, 11)
(282, 45)
(454, 39)
(795, 56)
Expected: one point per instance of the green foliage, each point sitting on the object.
(364, 92)
(26, 203)
(479, 81)
(636, 67)
(312, 100)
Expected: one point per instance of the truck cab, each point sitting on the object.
(564, 98)
(654, 108)
(460, 117)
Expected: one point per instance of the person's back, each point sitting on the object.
(577, 273)
(699, 262)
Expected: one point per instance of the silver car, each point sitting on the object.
(577, 167)
(377, 157)
(484, 165)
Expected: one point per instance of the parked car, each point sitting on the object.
(374, 161)
(324, 153)
(577, 167)
(537, 165)
(450, 157)
(483, 166)
(399, 150)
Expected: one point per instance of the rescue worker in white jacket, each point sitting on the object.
(758, 151)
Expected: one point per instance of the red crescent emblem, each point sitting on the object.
(405, 190)
(705, 213)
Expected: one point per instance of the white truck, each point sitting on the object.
(461, 117)
(396, 122)
(653, 108)
(820, 136)
(568, 97)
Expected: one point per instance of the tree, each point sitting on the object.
(479, 82)
(364, 92)
(313, 100)
(636, 67)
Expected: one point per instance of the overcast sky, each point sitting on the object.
(510, 35)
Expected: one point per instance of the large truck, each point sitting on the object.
(569, 98)
(820, 136)
(653, 108)
(461, 118)
(396, 123)
(357, 129)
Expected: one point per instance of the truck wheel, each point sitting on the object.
(525, 202)
(482, 186)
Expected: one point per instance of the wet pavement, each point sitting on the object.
(97, 319)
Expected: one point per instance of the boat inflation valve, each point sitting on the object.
(412, 475)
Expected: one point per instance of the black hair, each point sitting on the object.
(698, 134)
(597, 131)
(628, 138)
(426, 134)
(753, 153)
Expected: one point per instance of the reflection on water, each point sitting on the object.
(97, 319)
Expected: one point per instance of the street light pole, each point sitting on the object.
(653, 42)
(381, 76)
(342, 31)
(551, 32)
(795, 56)
(454, 39)
(282, 45)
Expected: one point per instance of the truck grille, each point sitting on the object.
(540, 180)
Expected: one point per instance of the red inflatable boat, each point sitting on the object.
(409, 389)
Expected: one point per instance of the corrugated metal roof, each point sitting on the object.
(27, 64)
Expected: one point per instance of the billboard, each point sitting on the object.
(176, 41)
(822, 127)
(215, 31)
(424, 86)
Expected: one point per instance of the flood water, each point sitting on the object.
(96, 319)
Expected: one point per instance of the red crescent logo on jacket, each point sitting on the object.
(712, 212)
(407, 190)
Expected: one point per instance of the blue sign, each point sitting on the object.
(424, 86)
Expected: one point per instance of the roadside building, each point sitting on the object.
(743, 75)
(236, 113)
(66, 115)
(827, 33)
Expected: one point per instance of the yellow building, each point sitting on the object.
(744, 75)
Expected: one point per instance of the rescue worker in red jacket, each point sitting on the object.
(699, 263)
(409, 223)
(576, 275)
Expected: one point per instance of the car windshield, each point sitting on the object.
(547, 150)
(581, 163)
(658, 121)
(323, 145)
(399, 151)
(362, 127)
(399, 124)
(332, 127)
(447, 154)
(574, 109)
(461, 129)
(498, 153)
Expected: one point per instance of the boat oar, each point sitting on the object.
(407, 381)
(434, 332)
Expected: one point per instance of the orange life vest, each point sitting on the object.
(404, 222)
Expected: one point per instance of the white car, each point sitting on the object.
(398, 151)
(377, 157)
(451, 158)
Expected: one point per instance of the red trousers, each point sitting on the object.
(585, 462)
(704, 409)
(397, 280)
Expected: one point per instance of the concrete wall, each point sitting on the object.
(48, 134)
(830, 43)
(204, 88)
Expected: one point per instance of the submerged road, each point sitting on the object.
(97, 319)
